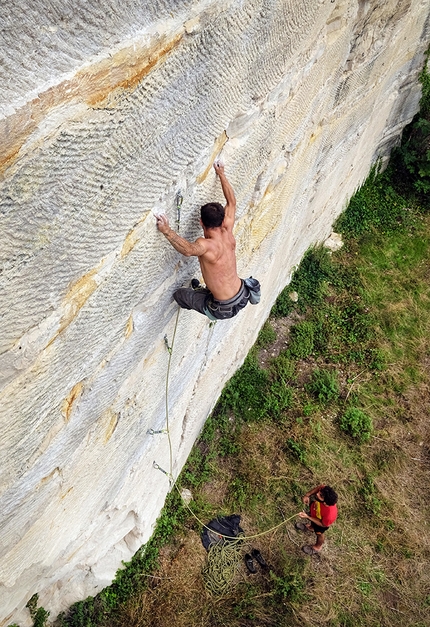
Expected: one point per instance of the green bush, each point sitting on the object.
(412, 158)
(357, 424)
(283, 367)
(280, 397)
(297, 450)
(266, 336)
(283, 304)
(309, 281)
(291, 585)
(302, 340)
(369, 492)
(324, 385)
(246, 392)
(38, 615)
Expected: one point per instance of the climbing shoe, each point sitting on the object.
(255, 553)
(195, 283)
(250, 564)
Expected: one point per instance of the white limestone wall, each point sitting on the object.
(106, 110)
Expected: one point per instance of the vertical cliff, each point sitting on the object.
(107, 109)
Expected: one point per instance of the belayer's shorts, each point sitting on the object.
(317, 528)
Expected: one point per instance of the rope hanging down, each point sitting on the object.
(224, 556)
(167, 431)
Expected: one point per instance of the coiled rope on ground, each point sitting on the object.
(221, 566)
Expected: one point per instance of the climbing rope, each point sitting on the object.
(225, 555)
(221, 566)
(170, 349)
(244, 538)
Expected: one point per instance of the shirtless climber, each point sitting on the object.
(225, 293)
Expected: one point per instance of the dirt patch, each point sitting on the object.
(282, 327)
(216, 491)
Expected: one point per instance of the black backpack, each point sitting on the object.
(227, 526)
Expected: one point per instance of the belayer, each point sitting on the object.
(323, 513)
(225, 293)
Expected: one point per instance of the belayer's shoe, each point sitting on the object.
(250, 564)
(195, 284)
(309, 550)
(260, 559)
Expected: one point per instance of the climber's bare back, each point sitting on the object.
(218, 262)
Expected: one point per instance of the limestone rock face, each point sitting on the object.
(107, 109)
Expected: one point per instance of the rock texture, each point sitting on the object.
(107, 110)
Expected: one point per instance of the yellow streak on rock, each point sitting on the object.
(121, 71)
(44, 480)
(112, 418)
(76, 298)
(129, 243)
(63, 496)
(315, 135)
(67, 406)
(219, 144)
(129, 328)
(262, 222)
(126, 68)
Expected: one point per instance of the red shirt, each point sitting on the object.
(327, 514)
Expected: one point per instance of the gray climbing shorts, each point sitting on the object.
(203, 301)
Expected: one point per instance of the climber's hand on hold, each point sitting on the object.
(219, 167)
(162, 223)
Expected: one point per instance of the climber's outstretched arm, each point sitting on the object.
(182, 245)
(230, 208)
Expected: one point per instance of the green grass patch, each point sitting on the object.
(245, 393)
(357, 424)
(266, 336)
(324, 385)
(309, 281)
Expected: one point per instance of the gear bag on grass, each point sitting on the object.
(226, 526)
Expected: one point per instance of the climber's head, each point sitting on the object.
(212, 215)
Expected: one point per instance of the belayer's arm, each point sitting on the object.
(317, 521)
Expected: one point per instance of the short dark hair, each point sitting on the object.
(330, 496)
(212, 215)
